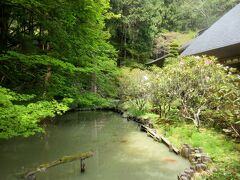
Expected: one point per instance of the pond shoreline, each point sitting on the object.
(198, 159)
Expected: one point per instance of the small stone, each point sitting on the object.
(183, 152)
(191, 150)
(198, 168)
(197, 151)
(191, 156)
(227, 131)
(192, 168)
(189, 172)
(200, 150)
(183, 174)
(198, 155)
(204, 167)
(184, 177)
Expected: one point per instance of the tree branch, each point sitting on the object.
(65, 159)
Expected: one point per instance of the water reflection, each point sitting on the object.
(121, 150)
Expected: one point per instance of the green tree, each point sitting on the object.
(133, 33)
(55, 50)
(200, 14)
(197, 89)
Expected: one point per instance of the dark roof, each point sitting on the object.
(185, 46)
(222, 39)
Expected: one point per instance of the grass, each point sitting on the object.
(223, 151)
(183, 38)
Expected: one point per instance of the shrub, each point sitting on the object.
(196, 89)
(134, 87)
(20, 118)
(92, 100)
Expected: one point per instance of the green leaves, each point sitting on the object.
(54, 46)
(133, 33)
(22, 120)
(134, 87)
(198, 15)
(199, 88)
(34, 60)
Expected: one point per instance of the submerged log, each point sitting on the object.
(29, 175)
(159, 138)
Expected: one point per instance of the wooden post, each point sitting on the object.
(82, 164)
(31, 177)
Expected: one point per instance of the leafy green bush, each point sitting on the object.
(23, 119)
(174, 48)
(198, 89)
(92, 100)
(134, 86)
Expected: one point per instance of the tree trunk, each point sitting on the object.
(5, 12)
(94, 83)
(125, 43)
(160, 111)
(197, 118)
(46, 79)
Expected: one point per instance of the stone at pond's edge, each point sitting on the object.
(197, 158)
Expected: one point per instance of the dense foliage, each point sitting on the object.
(187, 93)
(54, 50)
(198, 15)
(61, 45)
(58, 54)
(193, 88)
(134, 31)
(141, 22)
(134, 87)
(197, 88)
(20, 118)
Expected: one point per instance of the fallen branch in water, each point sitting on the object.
(159, 138)
(29, 175)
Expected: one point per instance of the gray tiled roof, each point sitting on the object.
(223, 33)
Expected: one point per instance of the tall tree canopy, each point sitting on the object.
(55, 46)
(52, 52)
(142, 20)
(200, 14)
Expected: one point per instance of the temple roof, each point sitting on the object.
(222, 39)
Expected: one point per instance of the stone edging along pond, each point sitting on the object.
(198, 159)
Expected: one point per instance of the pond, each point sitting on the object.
(121, 151)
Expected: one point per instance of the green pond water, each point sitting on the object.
(122, 152)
